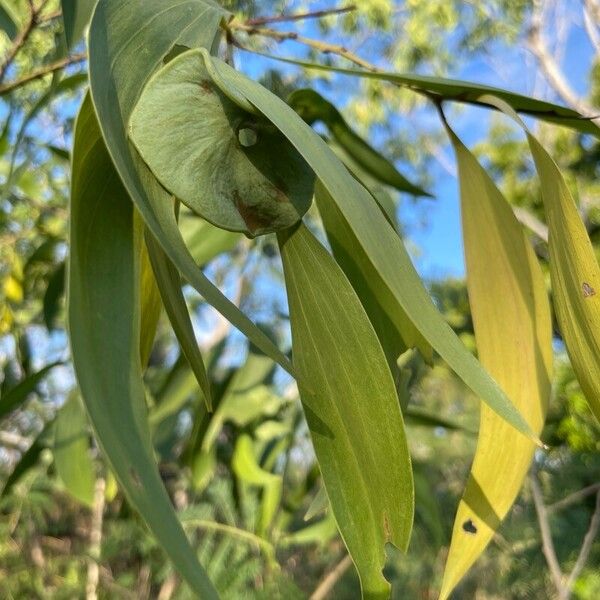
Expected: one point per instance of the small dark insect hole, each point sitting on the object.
(588, 290)
(247, 137)
(469, 526)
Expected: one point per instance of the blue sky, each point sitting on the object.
(438, 240)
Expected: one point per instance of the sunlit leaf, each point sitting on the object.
(513, 331)
(118, 72)
(246, 467)
(395, 330)
(574, 270)
(351, 408)
(71, 451)
(104, 326)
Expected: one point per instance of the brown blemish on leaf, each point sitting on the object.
(206, 86)
(386, 528)
(280, 189)
(588, 290)
(253, 221)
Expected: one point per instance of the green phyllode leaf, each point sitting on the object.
(466, 92)
(118, 71)
(513, 331)
(169, 285)
(312, 107)
(104, 325)
(71, 451)
(383, 253)
(13, 398)
(352, 409)
(230, 166)
(76, 18)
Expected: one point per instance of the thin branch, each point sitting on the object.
(586, 548)
(574, 497)
(547, 544)
(328, 582)
(590, 26)
(282, 36)
(318, 14)
(549, 65)
(19, 41)
(531, 222)
(42, 72)
(93, 572)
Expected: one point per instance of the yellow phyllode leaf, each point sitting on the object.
(151, 304)
(574, 270)
(513, 330)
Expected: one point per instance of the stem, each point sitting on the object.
(547, 544)
(584, 553)
(93, 572)
(575, 497)
(328, 582)
(42, 72)
(317, 14)
(19, 41)
(282, 36)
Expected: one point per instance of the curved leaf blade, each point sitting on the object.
(352, 409)
(311, 106)
(118, 72)
(76, 17)
(104, 328)
(574, 270)
(467, 92)
(513, 331)
(13, 398)
(384, 252)
(169, 285)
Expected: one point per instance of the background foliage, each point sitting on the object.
(244, 478)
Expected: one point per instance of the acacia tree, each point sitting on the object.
(172, 141)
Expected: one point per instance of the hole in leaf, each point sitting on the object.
(469, 526)
(247, 137)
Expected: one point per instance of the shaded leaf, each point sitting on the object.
(231, 167)
(118, 72)
(312, 107)
(8, 23)
(71, 451)
(29, 458)
(76, 17)
(513, 331)
(467, 92)
(169, 285)
(53, 295)
(104, 326)
(351, 408)
(150, 304)
(14, 397)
